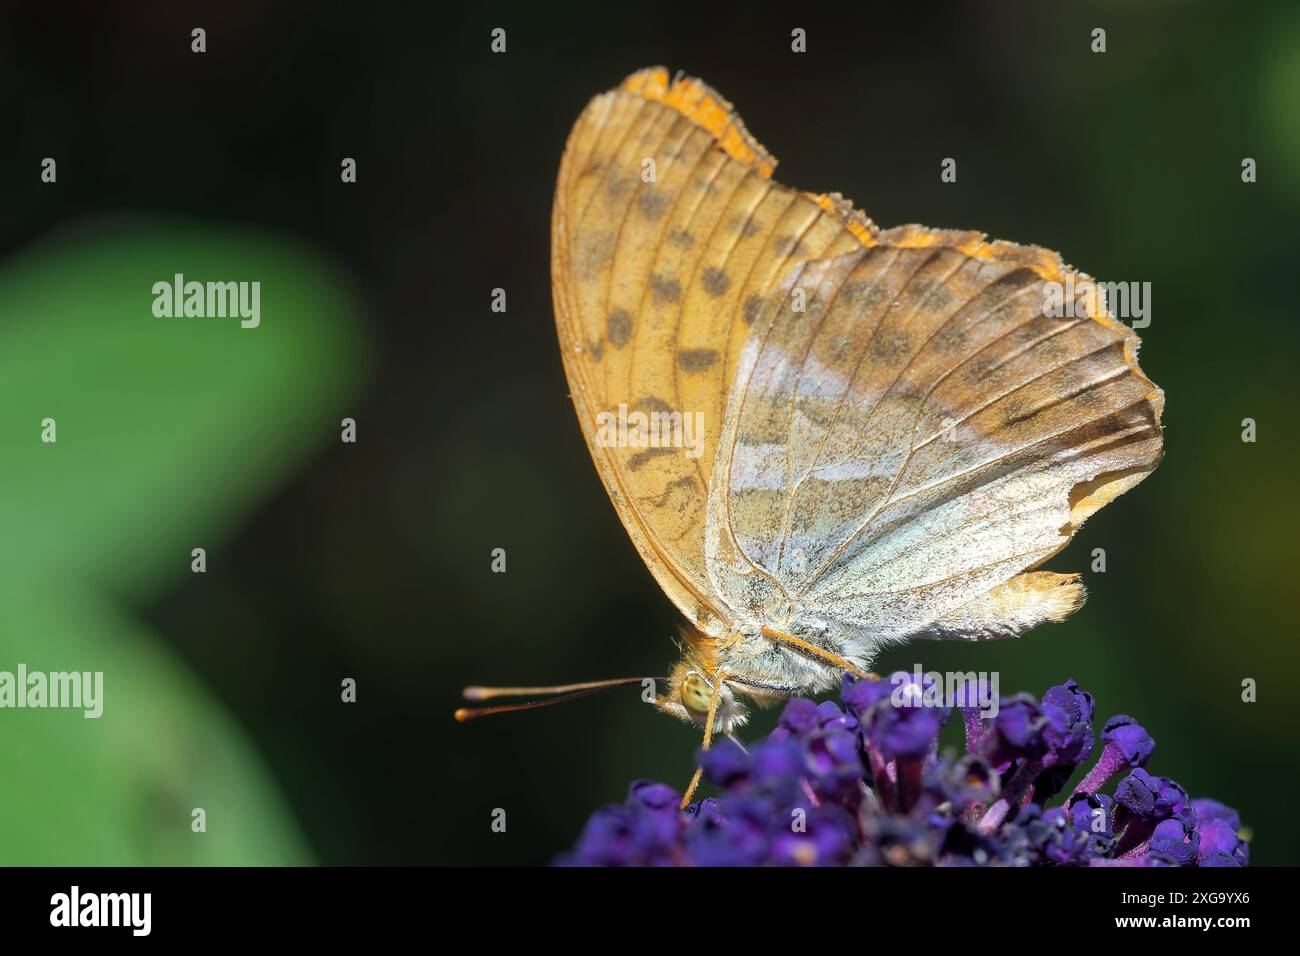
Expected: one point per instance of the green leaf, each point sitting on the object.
(121, 789)
(168, 430)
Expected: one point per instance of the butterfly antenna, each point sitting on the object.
(562, 692)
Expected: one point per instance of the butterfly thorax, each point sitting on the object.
(744, 662)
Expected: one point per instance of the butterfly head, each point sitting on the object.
(690, 693)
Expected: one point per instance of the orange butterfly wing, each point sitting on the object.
(668, 235)
(671, 242)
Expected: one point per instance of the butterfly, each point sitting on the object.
(822, 437)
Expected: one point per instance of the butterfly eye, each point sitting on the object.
(696, 693)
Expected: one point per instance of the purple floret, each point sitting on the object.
(863, 783)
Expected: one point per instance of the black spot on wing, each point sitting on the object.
(665, 289)
(696, 360)
(618, 328)
(715, 281)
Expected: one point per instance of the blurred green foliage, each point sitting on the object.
(168, 430)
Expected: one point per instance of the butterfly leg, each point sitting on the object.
(817, 653)
(708, 737)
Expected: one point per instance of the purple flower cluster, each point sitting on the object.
(864, 784)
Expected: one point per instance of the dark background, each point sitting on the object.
(372, 561)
